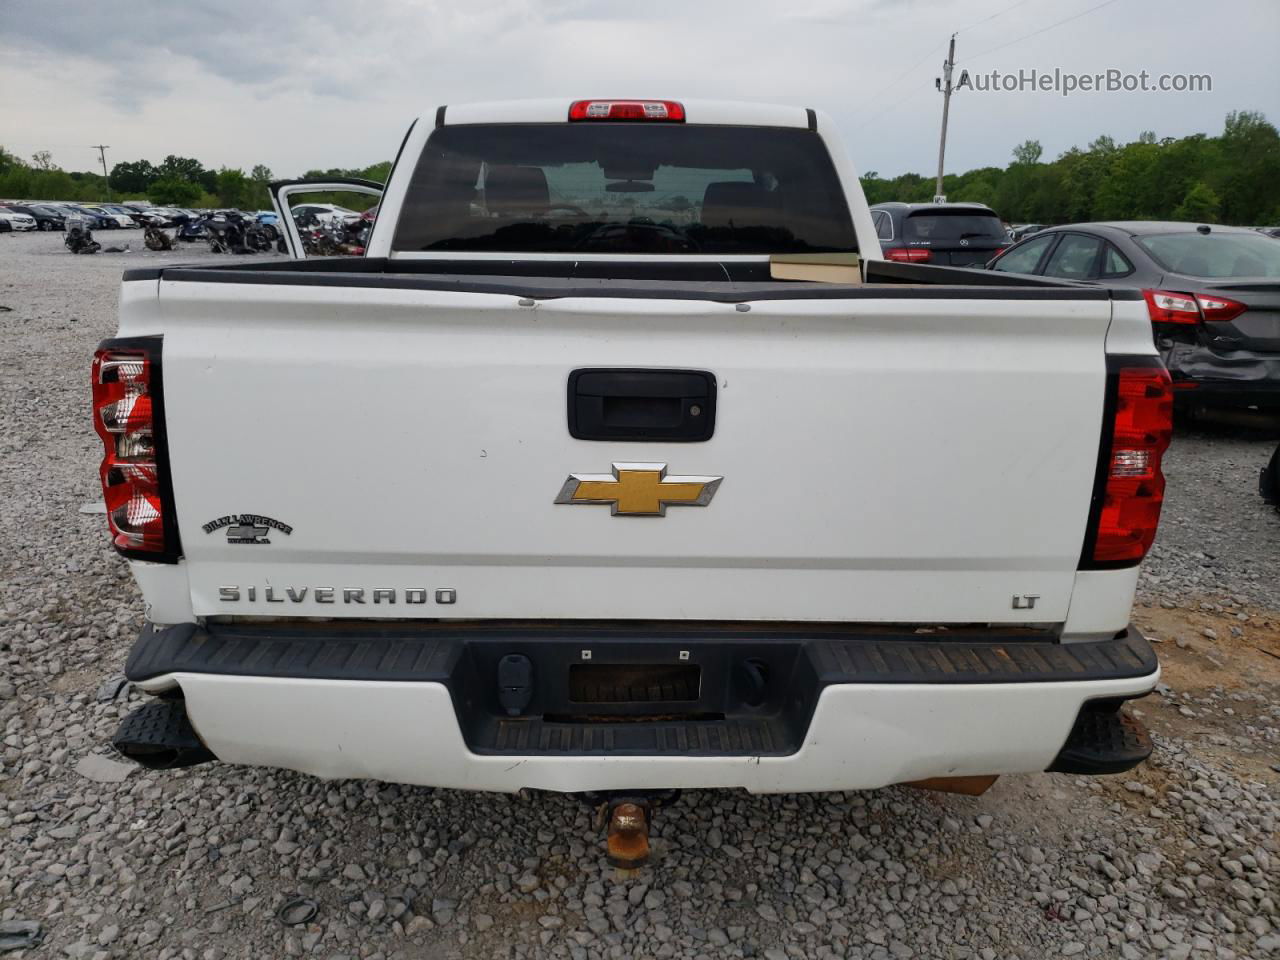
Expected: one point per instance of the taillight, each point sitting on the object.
(668, 111)
(1165, 306)
(908, 255)
(1129, 486)
(1219, 309)
(128, 416)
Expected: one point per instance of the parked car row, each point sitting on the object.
(1212, 292)
(325, 229)
(52, 215)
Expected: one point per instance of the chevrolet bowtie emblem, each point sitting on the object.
(638, 490)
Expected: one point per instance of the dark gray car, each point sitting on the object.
(951, 234)
(1213, 294)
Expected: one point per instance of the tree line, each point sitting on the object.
(1231, 178)
(175, 181)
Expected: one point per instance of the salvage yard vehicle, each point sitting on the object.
(565, 485)
(1213, 295)
(78, 235)
(98, 219)
(116, 218)
(45, 217)
(17, 219)
(324, 212)
(955, 234)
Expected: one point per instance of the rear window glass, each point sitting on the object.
(950, 227)
(624, 188)
(1114, 263)
(884, 224)
(1214, 254)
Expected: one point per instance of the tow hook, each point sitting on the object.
(628, 832)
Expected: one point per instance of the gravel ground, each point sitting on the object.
(1177, 859)
(1217, 536)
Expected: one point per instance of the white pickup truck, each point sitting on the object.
(560, 487)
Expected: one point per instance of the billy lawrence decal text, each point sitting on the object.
(246, 519)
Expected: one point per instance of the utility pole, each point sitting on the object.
(102, 149)
(943, 83)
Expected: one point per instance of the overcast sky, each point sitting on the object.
(299, 84)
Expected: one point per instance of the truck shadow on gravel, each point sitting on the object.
(1247, 425)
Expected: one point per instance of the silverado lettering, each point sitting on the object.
(272, 594)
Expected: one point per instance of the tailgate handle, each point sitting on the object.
(676, 406)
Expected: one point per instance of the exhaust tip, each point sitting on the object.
(159, 736)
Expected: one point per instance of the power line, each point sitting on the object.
(1036, 33)
(999, 13)
(931, 51)
(894, 82)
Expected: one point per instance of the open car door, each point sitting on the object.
(283, 193)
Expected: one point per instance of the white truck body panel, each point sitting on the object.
(870, 449)
(904, 473)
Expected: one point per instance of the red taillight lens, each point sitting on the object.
(668, 111)
(908, 255)
(1219, 309)
(126, 385)
(1130, 482)
(1167, 307)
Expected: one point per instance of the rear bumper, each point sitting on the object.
(1201, 376)
(844, 711)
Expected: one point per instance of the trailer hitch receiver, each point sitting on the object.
(628, 832)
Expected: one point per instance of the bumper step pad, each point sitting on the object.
(159, 736)
(1103, 742)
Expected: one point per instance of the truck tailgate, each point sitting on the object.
(919, 458)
